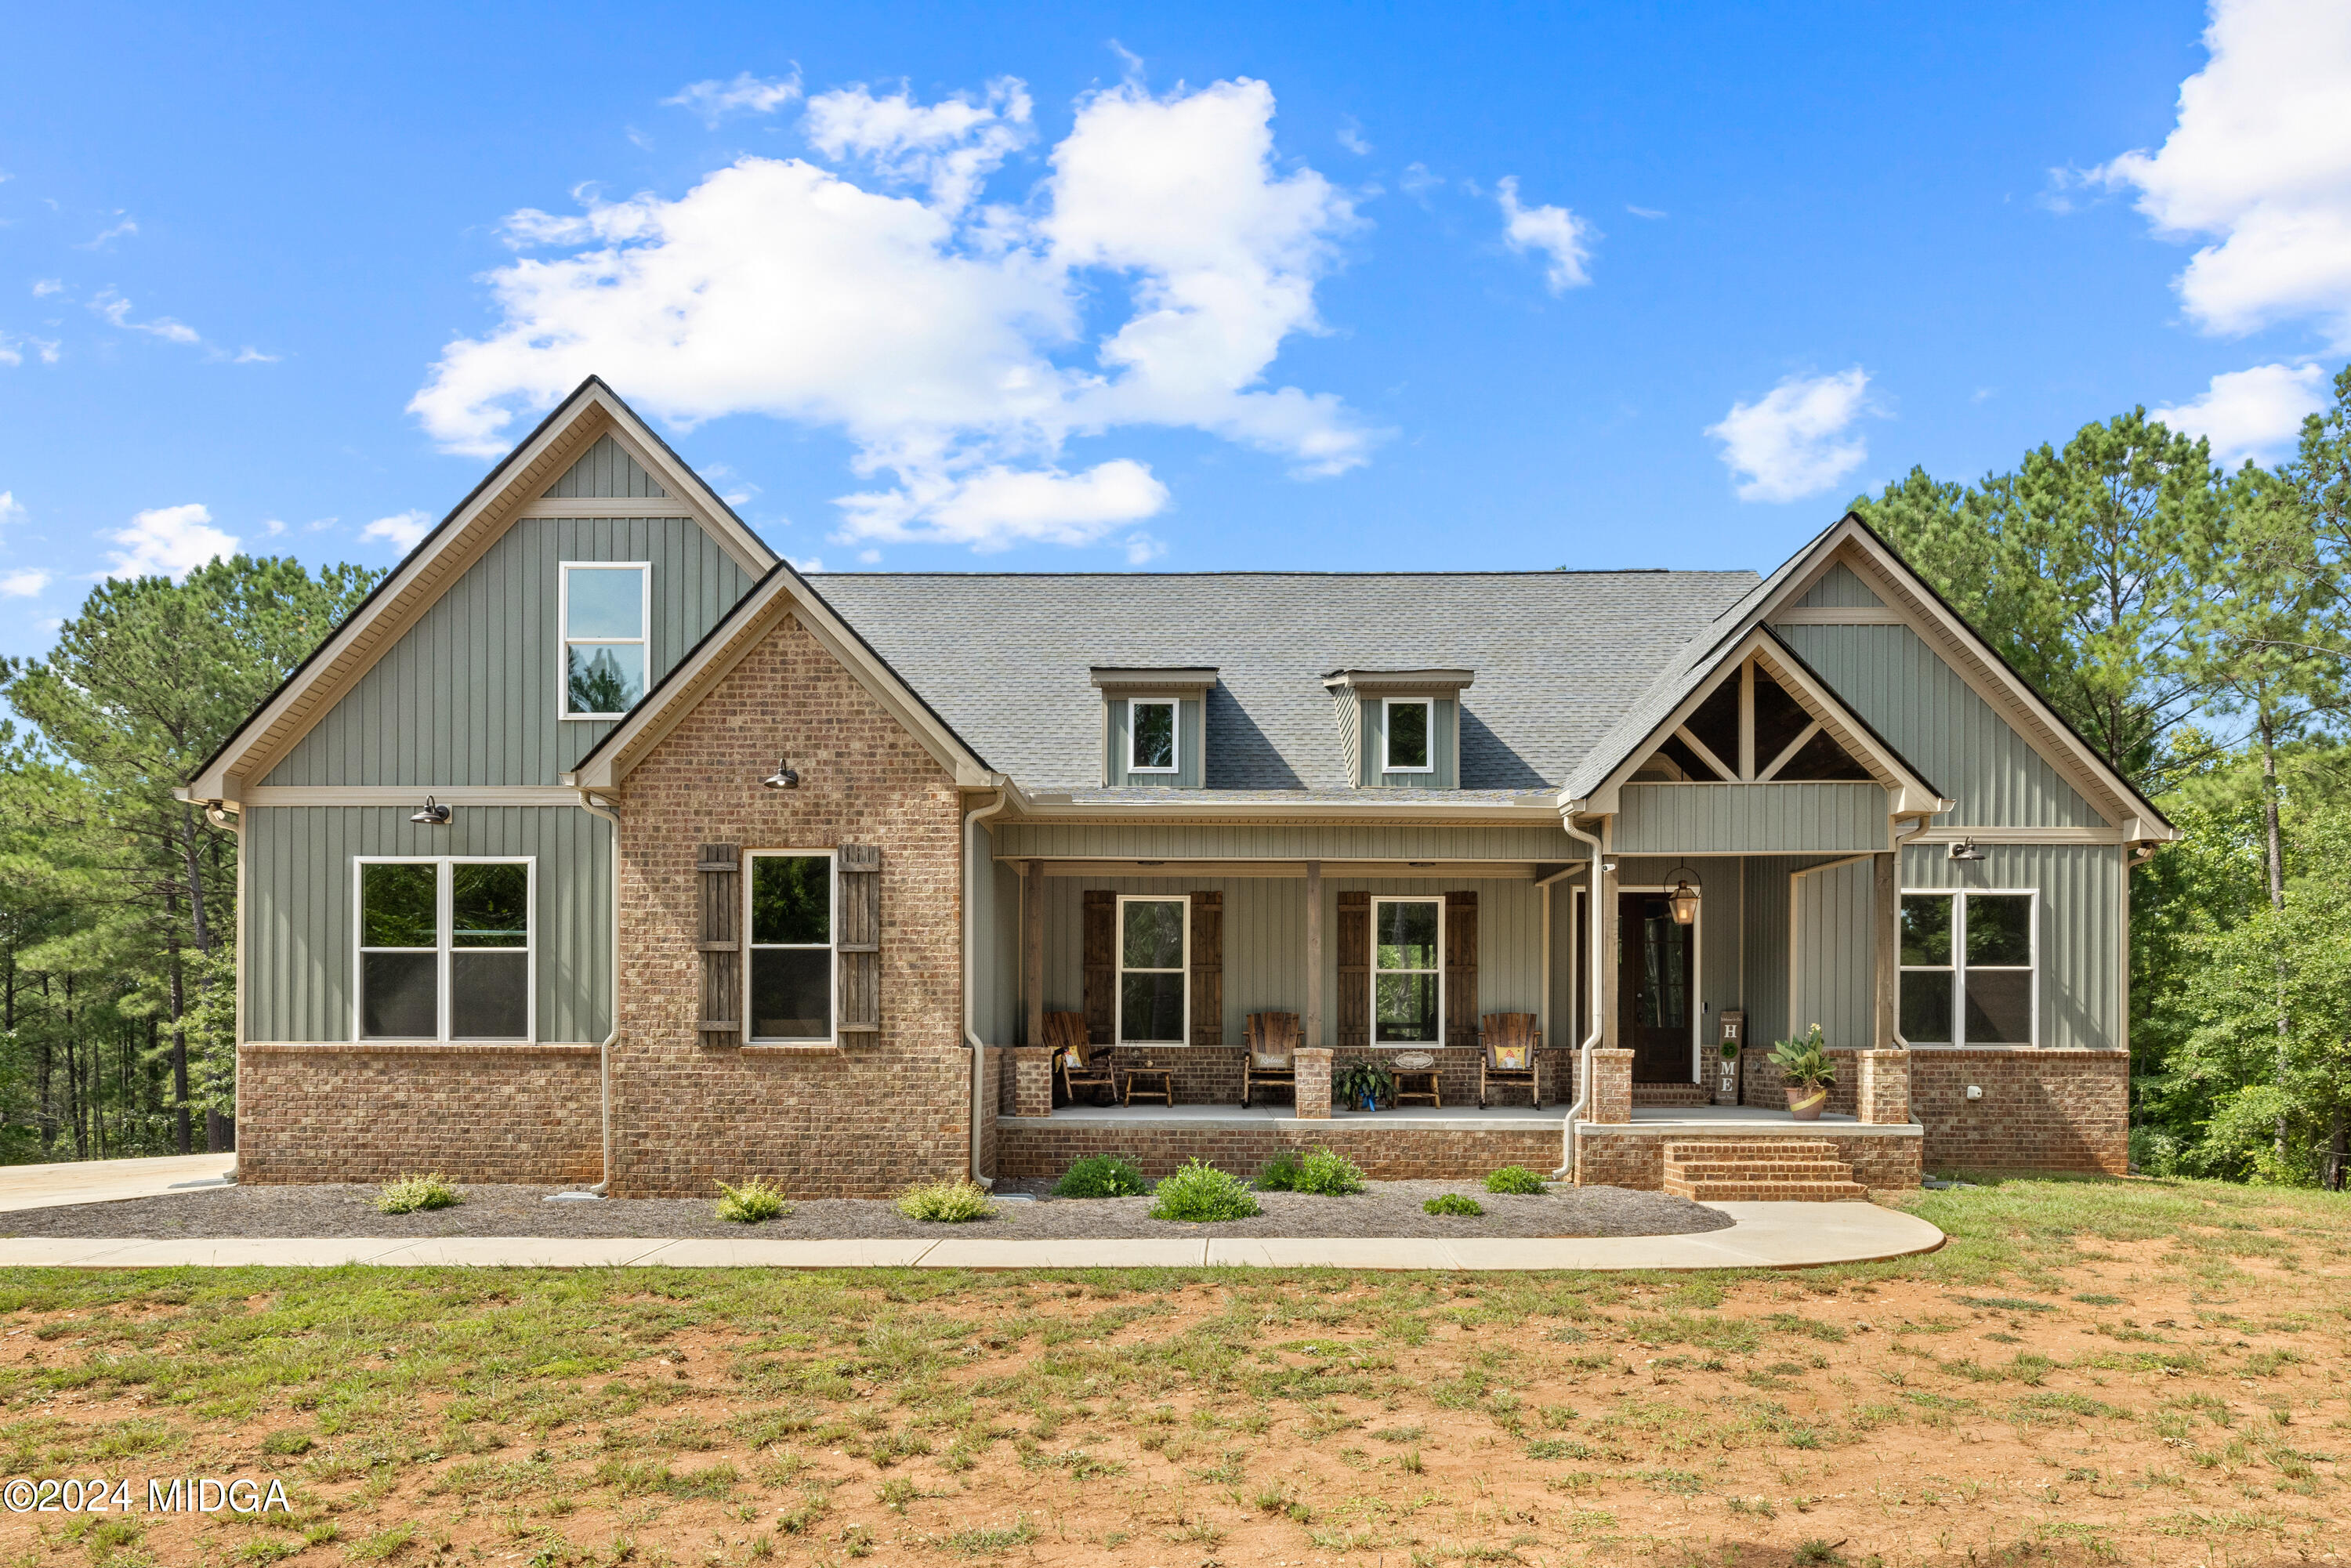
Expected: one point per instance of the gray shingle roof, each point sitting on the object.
(1559, 657)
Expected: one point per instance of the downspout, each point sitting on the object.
(1591, 986)
(234, 822)
(971, 819)
(604, 1049)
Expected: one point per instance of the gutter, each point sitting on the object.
(971, 819)
(605, 1048)
(1598, 844)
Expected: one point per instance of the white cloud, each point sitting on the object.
(1792, 442)
(117, 311)
(273, 527)
(1142, 548)
(1651, 212)
(9, 354)
(1416, 182)
(169, 541)
(252, 356)
(947, 338)
(812, 563)
(714, 99)
(23, 584)
(401, 529)
(12, 510)
(1555, 232)
(44, 286)
(2260, 161)
(107, 235)
(1351, 137)
(2254, 413)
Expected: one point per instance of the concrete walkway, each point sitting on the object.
(103, 1181)
(1763, 1236)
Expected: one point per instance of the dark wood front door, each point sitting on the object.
(1656, 980)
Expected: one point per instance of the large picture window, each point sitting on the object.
(1410, 727)
(1151, 742)
(1154, 945)
(790, 970)
(1968, 963)
(445, 949)
(607, 611)
(1407, 970)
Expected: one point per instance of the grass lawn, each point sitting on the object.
(2129, 1372)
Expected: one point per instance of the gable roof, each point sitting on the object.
(590, 417)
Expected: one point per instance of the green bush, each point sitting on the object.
(1328, 1174)
(408, 1194)
(1200, 1194)
(948, 1202)
(1101, 1176)
(1454, 1203)
(1280, 1173)
(752, 1202)
(1516, 1178)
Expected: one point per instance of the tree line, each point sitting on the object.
(2193, 624)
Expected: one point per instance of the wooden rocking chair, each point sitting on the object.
(1272, 1056)
(1508, 1062)
(1075, 1058)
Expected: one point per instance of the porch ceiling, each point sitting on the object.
(1487, 871)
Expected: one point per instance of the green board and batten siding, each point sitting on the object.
(1190, 749)
(1751, 819)
(606, 471)
(1840, 587)
(1529, 842)
(300, 908)
(1444, 748)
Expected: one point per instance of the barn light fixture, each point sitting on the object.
(1967, 849)
(433, 814)
(783, 777)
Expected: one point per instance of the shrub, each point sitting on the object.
(406, 1195)
(1280, 1173)
(1516, 1178)
(1200, 1194)
(1454, 1203)
(1101, 1176)
(752, 1202)
(1328, 1174)
(949, 1202)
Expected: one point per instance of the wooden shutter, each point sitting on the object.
(1208, 968)
(1353, 1014)
(720, 868)
(1101, 936)
(1462, 968)
(857, 942)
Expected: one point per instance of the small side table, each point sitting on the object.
(1418, 1077)
(1164, 1078)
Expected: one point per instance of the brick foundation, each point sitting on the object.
(1033, 1082)
(1211, 1074)
(1046, 1148)
(1613, 1156)
(341, 1114)
(2040, 1110)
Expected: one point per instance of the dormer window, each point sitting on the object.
(1408, 733)
(1151, 735)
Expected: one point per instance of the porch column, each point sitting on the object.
(1886, 906)
(1314, 1064)
(1032, 951)
(1603, 990)
(1314, 1030)
(1612, 1087)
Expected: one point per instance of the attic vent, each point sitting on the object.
(606, 470)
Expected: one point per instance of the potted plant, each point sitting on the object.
(1366, 1083)
(1805, 1063)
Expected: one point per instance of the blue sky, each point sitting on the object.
(1194, 286)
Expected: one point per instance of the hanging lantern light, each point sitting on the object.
(1684, 900)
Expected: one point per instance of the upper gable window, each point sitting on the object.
(1151, 737)
(1409, 734)
(607, 614)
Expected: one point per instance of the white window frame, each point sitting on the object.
(1372, 1015)
(831, 944)
(1118, 1000)
(564, 639)
(1175, 732)
(445, 887)
(1388, 705)
(1958, 967)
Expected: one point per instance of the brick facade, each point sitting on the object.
(884, 1110)
(1385, 1153)
(2040, 1110)
(1607, 1157)
(367, 1113)
(1882, 1087)
(1313, 1066)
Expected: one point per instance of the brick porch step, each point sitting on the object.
(1758, 1170)
(1671, 1094)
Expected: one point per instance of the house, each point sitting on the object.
(601, 845)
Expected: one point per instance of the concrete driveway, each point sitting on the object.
(103, 1181)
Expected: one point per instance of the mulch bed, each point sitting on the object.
(1388, 1209)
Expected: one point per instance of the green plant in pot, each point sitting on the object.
(1366, 1083)
(1805, 1063)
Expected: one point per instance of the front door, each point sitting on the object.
(1653, 979)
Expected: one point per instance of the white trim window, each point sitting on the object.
(1971, 966)
(606, 611)
(446, 948)
(1407, 971)
(1408, 735)
(1153, 735)
(1155, 966)
(789, 896)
